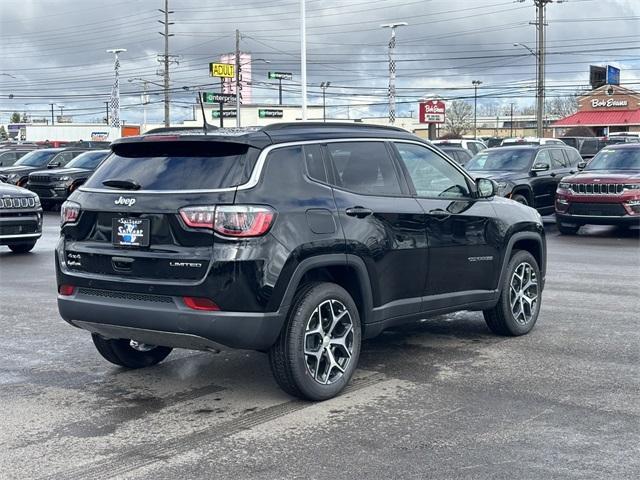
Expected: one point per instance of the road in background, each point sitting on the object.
(441, 399)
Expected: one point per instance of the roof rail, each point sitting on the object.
(296, 125)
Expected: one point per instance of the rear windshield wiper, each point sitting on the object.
(122, 184)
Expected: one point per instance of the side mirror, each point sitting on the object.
(540, 167)
(54, 165)
(581, 165)
(485, 188)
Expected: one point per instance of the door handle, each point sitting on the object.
(358, 212)
(553, 174)
(439, 213)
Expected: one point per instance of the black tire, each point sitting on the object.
(22, 247)
(287, 358)
(501, 319)
(568, 229)
(121, 353)
(520, 199)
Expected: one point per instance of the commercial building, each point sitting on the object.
(604, 110)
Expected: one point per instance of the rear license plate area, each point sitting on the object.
(131, 232)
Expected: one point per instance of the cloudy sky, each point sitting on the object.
(53, 51)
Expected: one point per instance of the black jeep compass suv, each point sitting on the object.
(298, 239)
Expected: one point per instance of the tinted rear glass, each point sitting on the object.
(178, 165)
(572, 142)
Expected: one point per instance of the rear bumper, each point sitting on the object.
(167, 321)
(626, 220)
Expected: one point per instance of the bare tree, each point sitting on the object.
(562, 106)
(459, 117)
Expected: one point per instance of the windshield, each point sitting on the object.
(37, 158)
(88, 160)
(616, 159)
(501, 159)
(177, 165)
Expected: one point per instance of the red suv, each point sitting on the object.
(605, 192)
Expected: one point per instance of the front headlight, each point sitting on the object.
(13, 177)
(37, 199)
(632, 186)
(504, 188)
(63, 179)
(565, 185)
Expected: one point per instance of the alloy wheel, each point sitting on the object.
(328, 341)
(523, 293)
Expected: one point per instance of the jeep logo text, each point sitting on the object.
(129, 202)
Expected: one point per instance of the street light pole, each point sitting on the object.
(476, 84)
(144, 97)
(238, 99)
(115, 93)
(392, 68)
(303, 56)
(324, 86)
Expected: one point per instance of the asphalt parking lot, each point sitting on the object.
(441, 399)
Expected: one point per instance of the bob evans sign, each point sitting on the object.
(432, 111)
(608, 103)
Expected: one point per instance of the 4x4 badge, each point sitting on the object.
(129, 202)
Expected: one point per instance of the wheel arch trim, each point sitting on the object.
(332, 260)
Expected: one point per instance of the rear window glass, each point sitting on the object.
(178, 165)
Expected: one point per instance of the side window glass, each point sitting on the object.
(432, 175)
(364, 167)
(543, 157)
(574, 157)
(472, 147)
(315, 164)
(557, 159)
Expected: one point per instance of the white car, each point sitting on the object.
(474, 146)
(530, 141)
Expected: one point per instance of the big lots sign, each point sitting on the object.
(432, 111)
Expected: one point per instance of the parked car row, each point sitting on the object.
(53, 173)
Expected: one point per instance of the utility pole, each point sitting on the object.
(303, 56)
(511, 131)
(540, 29)
(52, 121)
(392, 69)
(115, 92)
(324, 86)
(238, 73)
(476, 84)
(166, 59)
(106, 111)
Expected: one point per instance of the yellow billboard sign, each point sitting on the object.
(224, 70)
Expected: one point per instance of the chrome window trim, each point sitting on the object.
(254, 178)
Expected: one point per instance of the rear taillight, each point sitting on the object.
(69, 212)
(66, 290)
(239, 221)
(200, 303)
